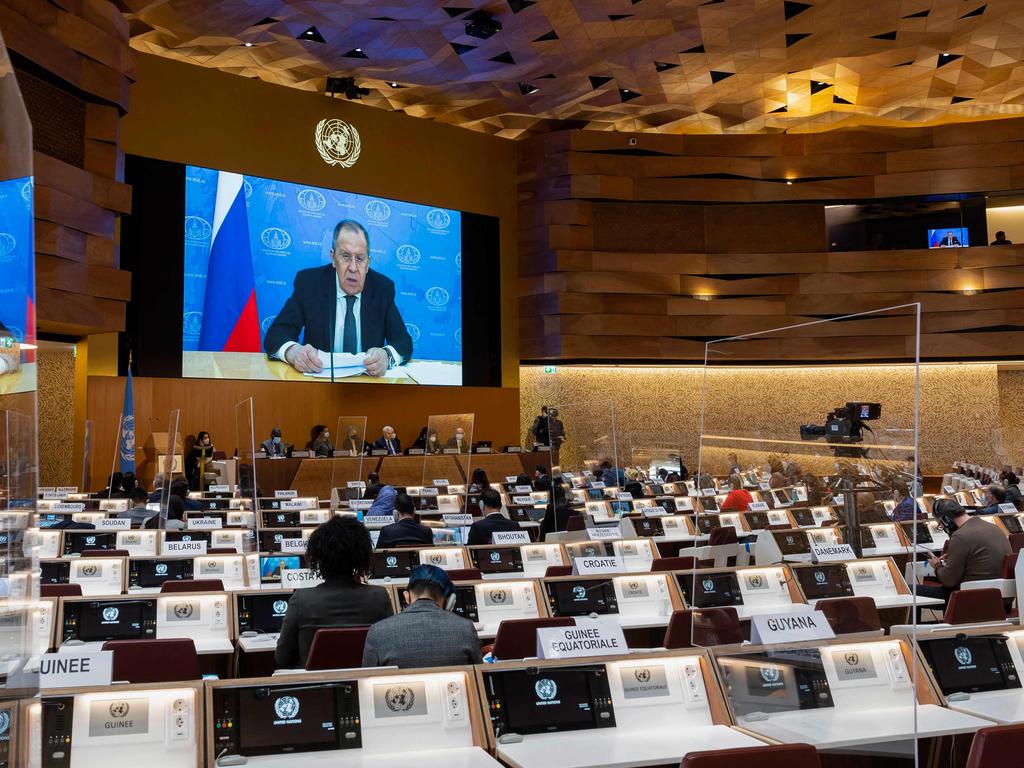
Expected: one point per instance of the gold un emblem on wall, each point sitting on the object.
(338, 142)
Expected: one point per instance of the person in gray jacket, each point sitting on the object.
(427, 633)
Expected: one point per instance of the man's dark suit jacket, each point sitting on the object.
(453, 443)
(313, 306)
(380, 444)
(404, 532)
(480, 532)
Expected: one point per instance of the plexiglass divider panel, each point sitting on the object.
(349, 449)
(582, 439)
(246, 475)
(447, 452)
(170, 462)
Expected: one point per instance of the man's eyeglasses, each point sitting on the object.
(347, 258)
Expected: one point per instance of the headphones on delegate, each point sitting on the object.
(945, 511)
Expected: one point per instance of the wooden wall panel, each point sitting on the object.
(702, 237)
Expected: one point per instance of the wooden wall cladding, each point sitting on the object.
(74, 67)
(645, 246)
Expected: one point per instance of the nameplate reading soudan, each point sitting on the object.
(587, 638)
(790, 627)
(298, 578)
(832, 553)
(204, 523)
(184, 548)
(510, 537)
(73, 670)
(112, 524)
(584, 566)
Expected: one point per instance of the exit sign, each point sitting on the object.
(550, 369)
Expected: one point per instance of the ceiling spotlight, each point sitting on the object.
(789, 183)
(526, 89)
(248, 45)
(394, 85)
(359, 50)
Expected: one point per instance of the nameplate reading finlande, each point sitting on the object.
(832, 553)
(510, 537)
(587, 638)
(73, 670)
(585, 566)
(285, 494)
(790, 627)
(204, 523)
(184, 548)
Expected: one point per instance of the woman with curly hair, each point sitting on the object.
(339, 552)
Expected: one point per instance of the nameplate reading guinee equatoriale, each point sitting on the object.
(587, 638)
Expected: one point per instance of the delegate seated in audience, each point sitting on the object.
(339, 552)
(976, 550)
(322, 445)
(175, 516)
(541, 479)
(906, 507)
(180, 488)
(738, 498)
(482, 530)
(128, 483)
(158, 489)
(406, 530)
(1001, 239)
(426, 633)
(372, 486)
(556, 518)
(995, 495)
(1012, 485)
(138, 513)
(478, 481)
(113, 486)
(384, 502)
(778, 478)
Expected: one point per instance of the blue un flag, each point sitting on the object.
(126, 440)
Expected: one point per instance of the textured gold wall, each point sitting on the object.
(967, 411)
(56, 416)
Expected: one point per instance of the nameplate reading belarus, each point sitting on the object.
(587, 638)
(184, 548)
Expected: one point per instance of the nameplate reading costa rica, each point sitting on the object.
(510, 537)
(587, 638)
(298, 578)
(790, 627)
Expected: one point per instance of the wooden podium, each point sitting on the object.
(155, 449)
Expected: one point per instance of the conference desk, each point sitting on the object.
(454, 757)
(256, 365)
(21, 380)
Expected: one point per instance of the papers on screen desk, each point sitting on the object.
(347, 365)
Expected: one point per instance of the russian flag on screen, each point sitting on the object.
(230, 320)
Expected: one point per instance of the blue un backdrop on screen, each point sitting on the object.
(290, 228)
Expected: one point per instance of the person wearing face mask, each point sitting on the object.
(198, 459)
(432, 444)
(354, 444)
(388, 441)
(458, 441)
(275, 446)
(322, 445)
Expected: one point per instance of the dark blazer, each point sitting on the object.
(423, 635)
(354, 446)
(381, 444)
(480, 532)
(331, 604)
(267, 446)
(313, 306)
(405, 531)
(454, 443)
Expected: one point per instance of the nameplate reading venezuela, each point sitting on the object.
(510, 537)
(204, 523)
(831, 553)
(584, 566)
(790, 627)
(184, 548)
(587, 638)
(72, 670)
(112, 524)
(298, 578)
(378, 521)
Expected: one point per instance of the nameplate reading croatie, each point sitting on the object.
(113, 524)
(604, 534)
(587, 638)
(757, 506)
(204, 523)
(1008, 508)
(510, 537)
(298, 578)
(457, 521)
(832, 553)
(72, 670)
(584, 566)
(296, 545)
(378, 521)
(790, 627)
(184, 548)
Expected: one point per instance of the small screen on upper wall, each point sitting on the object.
(948, 238)
(293, 282)
(17, 287)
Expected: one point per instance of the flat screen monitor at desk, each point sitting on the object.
(271, 565)
(50, 519)
(76, 542)
(924, 533)
(272, 720)
(268, 503)
(824, 581)
(465, 602)
(780, 681)
(595, 494)
(649, 526)
(261, 613)
(582, 597)
(792, 543)
(804, 517)
(100, 620)
(758, 521)
(147, 574)
(394, 564)
(278, 519)
(707, 523)
(710, 590)
(498, 559)
(874, 514)
(270, 541)
(971, 664)
(215, 503)
(55, 572)
(545, 700)
(187, 536)
(1012, 523)
(710, 503)
(620, 508)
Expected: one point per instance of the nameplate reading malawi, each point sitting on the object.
(587, 638)
(832, 553)
(790, 627)
(73, 670)
(510, 537)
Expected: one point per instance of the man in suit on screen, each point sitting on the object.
(343, 306)
(949, 241)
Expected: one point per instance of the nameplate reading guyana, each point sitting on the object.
(584, 566)
(71, 670)
(831, 553)
(587, 638)
(510, 537)
(184, 548)
(790, 627)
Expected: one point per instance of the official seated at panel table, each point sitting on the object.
(388, 441)
(493, 520)
(339, 552)
(343, 307)
(406, 531)
(274, 446)
(353, 445)
(458, 441)
(321, 444)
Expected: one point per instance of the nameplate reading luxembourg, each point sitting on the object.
(204, 523)
(113, 524)
(790, 628)
(1007, 508)
(832, 553)
(296, 545)
(184, 548)
(68, 506)
(298, 578)
(604, 534)
(585, 566)
(510, 537)
(587, 638)
(457, 521)
(285, 494)
(74, 670)
(757, 506)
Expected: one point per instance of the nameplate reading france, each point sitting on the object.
(831, 553)
(184, 548)
(790, 628)
(73, 670)
(113, 524)
(285, 494)
(587, 638)
(297, 544)
(584, 566)
(510, 537)
(298, 578)
(457, 521)
(204, 523)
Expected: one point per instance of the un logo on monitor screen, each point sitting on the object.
(546, 689)
(400, 698)
(280, 607)
(770, 674)
(161, 569)
(287, 707)
(579, 592)
(438, 218)
(495, 557)
(709, 585)
(111, 613)
(337, 142)
(311, 200)
(392, 561)
(963, 655)
(819, 577)
(437, 296)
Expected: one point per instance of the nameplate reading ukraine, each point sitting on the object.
(587, 638)
(790, 627)
(510, 537)
(184, 548)
(73, 670)
(833, 553)
(584, 566)
(204, 523)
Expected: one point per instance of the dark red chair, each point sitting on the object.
(1009, 569)
(154, 661)
(993, 746)
(975, 606)
(850, 614)
(60, 590)
(1016, 542)
(106, 553)
(193, 585)
(557, 570)
(576, 523)
(702, 627)
(337, 648)
(778, 756)
(673, 564)
(464, 574)
(222, 551)
(726, 534)
(517, 638)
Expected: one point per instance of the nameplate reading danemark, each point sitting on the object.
(585, 566)
(184, 548)
(587, 638)
(790, 627)
(204, 523)
(74, 670)
(832, 553)
(510, 537)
